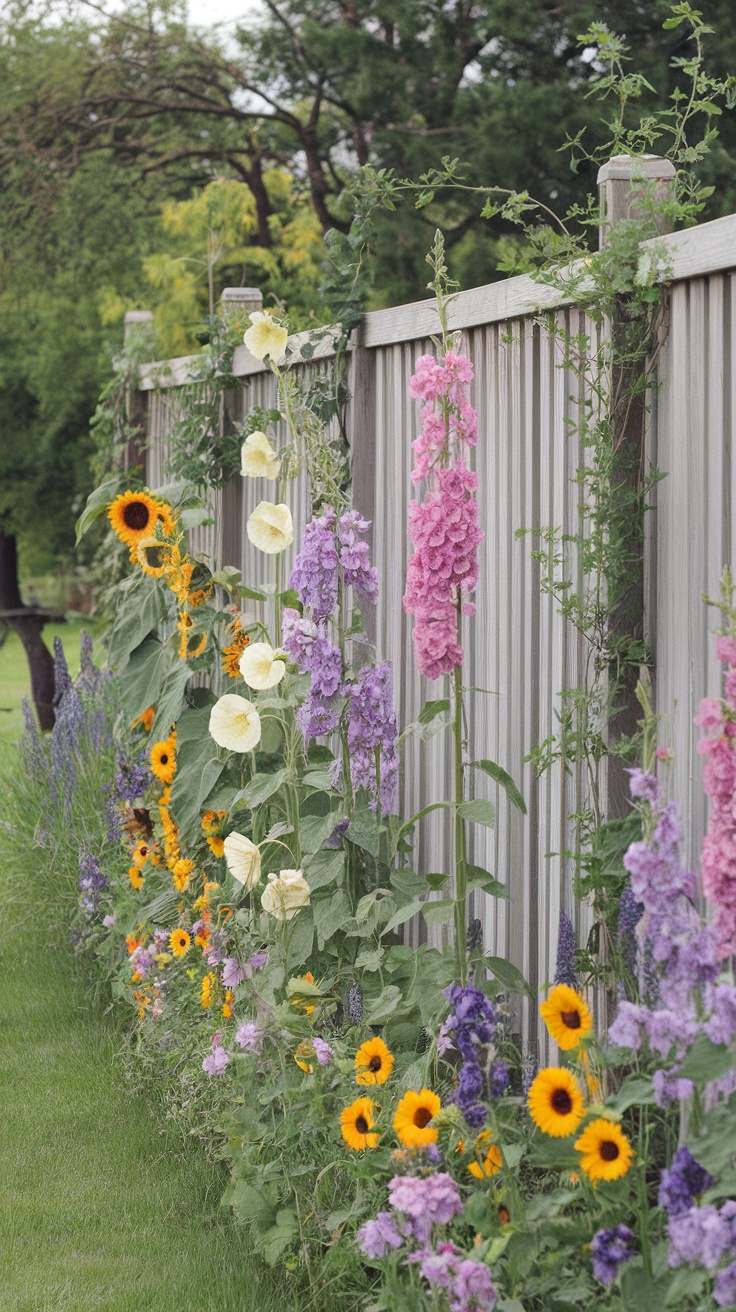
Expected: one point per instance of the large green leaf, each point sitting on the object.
(261, 787)
(508, 975)
(314, 829)
(636, 1091)
(145, 673)
(198, 768)
(170, 700)
(138, 615)
(707, 1061)
(383, 1006)
(480, 878)
(478, 812)
(97, 503)
(301, 938)
(323, 867)
(365, 831)
(642, 1292)
(330, 914)
(433, 806)
(503, 778)
(402, 915)
(436, 913)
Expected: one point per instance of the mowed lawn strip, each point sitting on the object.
(98, 1209)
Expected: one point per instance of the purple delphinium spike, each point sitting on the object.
(565, 969)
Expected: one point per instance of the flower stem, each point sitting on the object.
(461, 878)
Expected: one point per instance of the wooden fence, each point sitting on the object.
(518, 648)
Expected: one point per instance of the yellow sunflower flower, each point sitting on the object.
(152, 556)
(234, 650)
(227, 1006)
(163, 759)
(413, 1116)
(142, 852)
(146, 719)
(491, 1155)
(555, 1102)
(136, 878)
(181, 870)
(356, 1124)
(179, 942)
(606, 1152)
(566, 1015)
(373, 1062)
(192, 645)
(206, 997)
(133, 516)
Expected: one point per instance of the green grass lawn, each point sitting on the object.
(98, 1208)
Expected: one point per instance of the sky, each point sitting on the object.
(207, 12)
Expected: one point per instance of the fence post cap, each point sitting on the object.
(627, 167)
(133, 319)
(237, 295)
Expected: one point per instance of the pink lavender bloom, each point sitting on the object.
(217, 1061)
(724, 1292)
(108, 921)
(473, 1289)
(608, 1250)
(355, 555)
(645, 786)
(425, 1201)
(669, 1088)
(703, 1235)
(682, 1183)
(255, 962)
(315, 573)
(721, 1002)
(298, 635)
(323, 1052)
(376, 1238)
(630, 1026)
(249, 1037)
(726, 650)
(232, 973)
(440, 1266)
(373, 729)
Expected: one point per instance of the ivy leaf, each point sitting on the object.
(478, 812)
(503, 778)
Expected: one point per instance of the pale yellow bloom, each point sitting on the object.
(243, 860)
(266, 337)
(261, 666)
(270, 527)
(258, 458)
(235, 723)
(285, 894)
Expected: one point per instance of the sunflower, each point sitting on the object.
(373, 1062)
(555, 1102)
(356, 1122)
(192, 645)
(142, 852)
(179, 942)
(566, 1016)
(133, 516)
(234, 650)
(136, 878)
(491, 1154)
(181, 870)
(606, 1152)
(163, 759)
(227, 1006)
(207, 989)
(413, 1115)
(153, 557)
(216, 845)
(304, 1051)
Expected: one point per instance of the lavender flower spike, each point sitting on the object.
(565, 970)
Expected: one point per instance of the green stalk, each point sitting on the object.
(461, 873)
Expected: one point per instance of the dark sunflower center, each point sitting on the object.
(375, 1063)
(136, 515)
(561, 1102)
(164, 759)
(571, 1019)
(155, 557)
(361, 1125)
(422, 1117)
(609, 1150)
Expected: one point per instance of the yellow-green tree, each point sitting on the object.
(213, 242)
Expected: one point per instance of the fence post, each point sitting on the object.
(627, 189)
(135, 324)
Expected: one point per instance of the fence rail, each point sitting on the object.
(518, 648)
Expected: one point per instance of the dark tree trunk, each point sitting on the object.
(28, 627)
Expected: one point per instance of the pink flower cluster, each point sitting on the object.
(441, 385)
(718, 718)
(444, 527)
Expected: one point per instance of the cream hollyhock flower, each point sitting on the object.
(270, 527)
(258, 458)
(243, 860)
(235, 723)
(285, 894)
(261, 666)
(266, 337)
